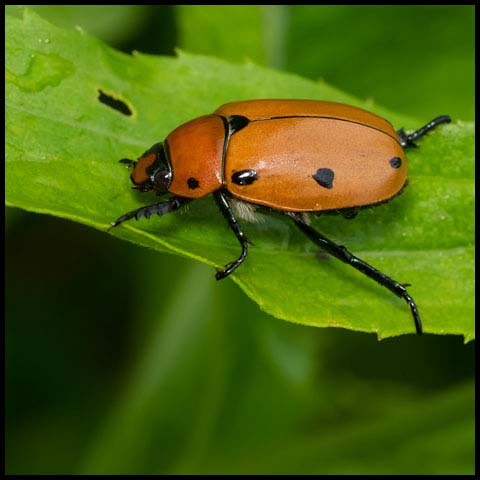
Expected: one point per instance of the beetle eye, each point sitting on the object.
(161, 179)
(160, 176)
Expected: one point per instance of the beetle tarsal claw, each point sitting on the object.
(220, 274)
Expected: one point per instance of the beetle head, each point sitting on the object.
(152, 171)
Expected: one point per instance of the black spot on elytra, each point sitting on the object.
(114, 103)
(324, 177)
(237, 122)
(396, 162)
(193, 183)
(244, 177)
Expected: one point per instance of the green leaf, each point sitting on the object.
(63, 147)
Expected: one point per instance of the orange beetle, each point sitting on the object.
(296, 156)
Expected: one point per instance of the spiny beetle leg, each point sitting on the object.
(161, 208)
(344, 255)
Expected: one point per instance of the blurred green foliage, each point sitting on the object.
(415, 60)
(123, 360)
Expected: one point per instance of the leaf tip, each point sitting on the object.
(468, 337)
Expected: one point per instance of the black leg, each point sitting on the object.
(226, 210)
(345, 256)
(161, 208)
(409, 140)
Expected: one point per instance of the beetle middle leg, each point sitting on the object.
(167, 206)
(344, 255)
(225, 208)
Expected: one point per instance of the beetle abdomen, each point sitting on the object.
(314, 164)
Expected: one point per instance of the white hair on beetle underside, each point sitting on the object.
(246, 211)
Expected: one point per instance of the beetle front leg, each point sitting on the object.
(226, 210)
(161, 208)
(345, 256)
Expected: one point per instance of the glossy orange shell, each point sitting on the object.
(286, 143)
(356, 145)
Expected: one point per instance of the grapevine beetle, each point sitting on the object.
(295, 156)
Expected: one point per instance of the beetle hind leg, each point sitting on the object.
(345, 256)
(227, 212)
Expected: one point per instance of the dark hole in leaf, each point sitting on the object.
(114, 103)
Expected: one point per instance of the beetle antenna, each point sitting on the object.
(127, 161)
(409, 140)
